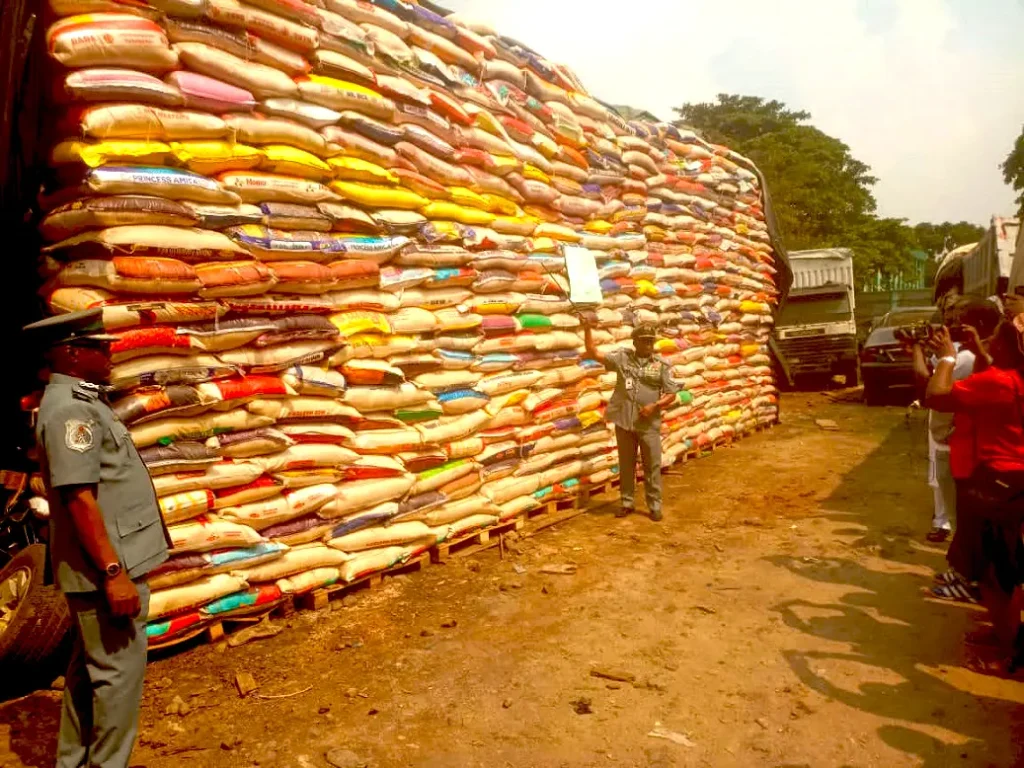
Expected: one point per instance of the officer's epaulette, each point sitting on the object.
(85, 390)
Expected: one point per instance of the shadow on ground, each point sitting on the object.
(890, 625)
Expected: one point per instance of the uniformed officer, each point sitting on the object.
(106, 533)
(643, 387)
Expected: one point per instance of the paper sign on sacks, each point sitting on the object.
(584, 280)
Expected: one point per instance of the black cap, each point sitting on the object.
(645, 331)
(68, 328)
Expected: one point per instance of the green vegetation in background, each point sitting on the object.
(821, 192)
(1013, 170)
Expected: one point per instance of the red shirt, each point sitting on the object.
(987, 426)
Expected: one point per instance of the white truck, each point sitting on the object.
(984, 270)
(1016, 281)
(816, 330)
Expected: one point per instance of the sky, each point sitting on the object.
(929, 93)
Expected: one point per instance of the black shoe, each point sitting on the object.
(624, 512)
(656, 517)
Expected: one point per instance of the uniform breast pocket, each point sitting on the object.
(141, 536)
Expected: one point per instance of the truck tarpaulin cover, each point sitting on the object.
(329, 239)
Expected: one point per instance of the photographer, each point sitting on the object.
(958, 314)
(987, 460)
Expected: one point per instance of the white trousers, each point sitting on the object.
(940, 478)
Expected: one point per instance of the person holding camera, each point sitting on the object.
(987, 460)
(958, 314)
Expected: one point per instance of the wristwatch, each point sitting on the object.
(113, 570)
(948, 359)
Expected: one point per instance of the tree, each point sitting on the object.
(1013, 170)
(881, 246)
(821, 192)
(938, 238)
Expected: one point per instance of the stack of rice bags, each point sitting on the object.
(329, 239)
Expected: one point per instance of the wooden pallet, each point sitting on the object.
(319, 598)
(552, 513)
(478, 541)
(216, 629)
(599, 489)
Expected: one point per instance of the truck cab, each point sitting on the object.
(816, 330)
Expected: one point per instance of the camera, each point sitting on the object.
(917, 333)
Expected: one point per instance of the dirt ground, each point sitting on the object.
(777, 617)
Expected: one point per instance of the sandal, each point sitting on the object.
(957, 592)
(938, 535)
(624, 511)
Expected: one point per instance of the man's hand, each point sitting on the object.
(647, 411)
(1013, 304)
(122, 597)
(942, 343)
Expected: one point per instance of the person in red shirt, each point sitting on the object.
(987, 461)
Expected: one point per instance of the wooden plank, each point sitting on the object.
(477, 541)
(537, 524)
(217, 628)
(320, 598)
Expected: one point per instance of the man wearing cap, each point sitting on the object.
(106, 534)
(643, 387)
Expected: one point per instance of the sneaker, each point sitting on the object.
(656, 516)
(624, 512)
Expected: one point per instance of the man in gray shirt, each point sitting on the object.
(643, 387)
(106, 534)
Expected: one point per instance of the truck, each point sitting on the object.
(1016, 281)
(816, 329)
(984, 269)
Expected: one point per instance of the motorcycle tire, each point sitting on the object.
(33, 645)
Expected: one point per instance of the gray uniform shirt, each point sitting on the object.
(640, 382)
(84, 443)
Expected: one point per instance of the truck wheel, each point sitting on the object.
(851, 372)
(34, 622)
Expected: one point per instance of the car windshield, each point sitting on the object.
(879, 336)
(819, 307)
(908, 317)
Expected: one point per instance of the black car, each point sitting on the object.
(884, 364)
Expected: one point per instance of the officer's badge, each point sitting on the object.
(78, 435)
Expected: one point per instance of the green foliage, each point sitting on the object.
(937, 238)
(821, 193)
(1013, 170)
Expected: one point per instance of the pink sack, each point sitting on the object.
(206, 93)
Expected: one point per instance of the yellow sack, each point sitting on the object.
(342, 96)
(514, 225)
(547, 147)
(463, 196)
(212, 157)
(359, 322)
(445, 232)
(505, 165)
(535, 173)
(499, 204)
(599, 227)
(646, 288)
(749, 350)
(556, 232)
(356, 169)
(291, 161)
(438, 209)
(111, 153)
(375, 196)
